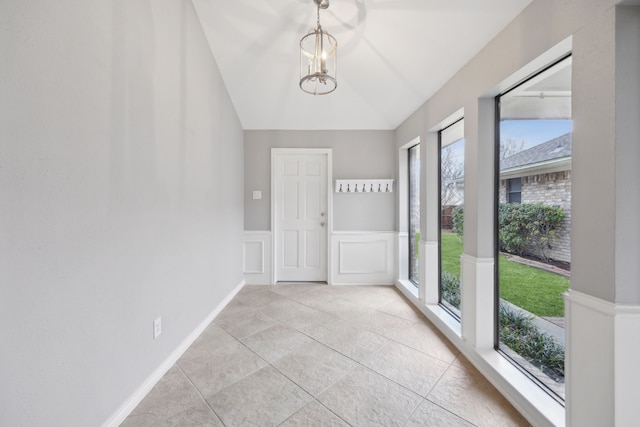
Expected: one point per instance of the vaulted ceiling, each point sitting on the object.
(392, 56)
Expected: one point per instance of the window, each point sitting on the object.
(514, 190)
(414, 213)
(451, 203)
(533, 178)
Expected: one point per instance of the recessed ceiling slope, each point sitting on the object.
(392, 56)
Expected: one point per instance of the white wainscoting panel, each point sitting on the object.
(257, 257)
(402, 255)
(602, 389)
(477, 301)
(363, 257)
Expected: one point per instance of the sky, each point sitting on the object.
(533, 132)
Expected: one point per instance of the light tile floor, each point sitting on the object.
(319, 355)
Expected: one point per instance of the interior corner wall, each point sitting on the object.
(356, 155)
(121, 186)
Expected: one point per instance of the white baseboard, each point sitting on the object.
(134, 400)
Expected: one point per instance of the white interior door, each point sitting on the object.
(301, 217)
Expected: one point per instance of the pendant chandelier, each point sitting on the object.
(318, 58)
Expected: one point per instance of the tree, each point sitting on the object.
(510, 146)
(451, 171)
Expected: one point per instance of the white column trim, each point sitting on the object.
(477, 301)
(602, 391)
(600, 305)
(402, 256)
(429, 272)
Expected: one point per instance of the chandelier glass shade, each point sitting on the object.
(318, 58)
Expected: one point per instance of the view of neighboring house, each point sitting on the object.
(542, 174)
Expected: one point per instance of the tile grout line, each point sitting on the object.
(200, 394)
(263, 297)
(356, 366)
(362, 365)
(426, 397)
(422, 398)
(329, 409)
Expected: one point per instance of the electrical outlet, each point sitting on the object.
(157, 327)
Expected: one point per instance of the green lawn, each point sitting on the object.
(451, 251)
(535, 290)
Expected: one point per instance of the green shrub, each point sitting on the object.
(520, 334)
(522, 227)
(528, 226)
(510, 229)
(458, 220)
(450, 289)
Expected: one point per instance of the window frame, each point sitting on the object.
(445, 305)
(410, 240)
(496, 287)
(511, 193)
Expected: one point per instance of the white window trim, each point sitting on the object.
(403, 219)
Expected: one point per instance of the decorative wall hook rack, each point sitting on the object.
(364, 186)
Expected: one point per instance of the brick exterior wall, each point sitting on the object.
(552, 189)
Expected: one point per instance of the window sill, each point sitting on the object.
(533, 402)
(408, 287)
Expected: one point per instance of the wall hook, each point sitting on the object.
(364, 186)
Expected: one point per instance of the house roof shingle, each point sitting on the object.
(553, 149)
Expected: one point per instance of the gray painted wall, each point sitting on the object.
(121, 181)
(356, 155)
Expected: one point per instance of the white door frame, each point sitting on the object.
(284, 151)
